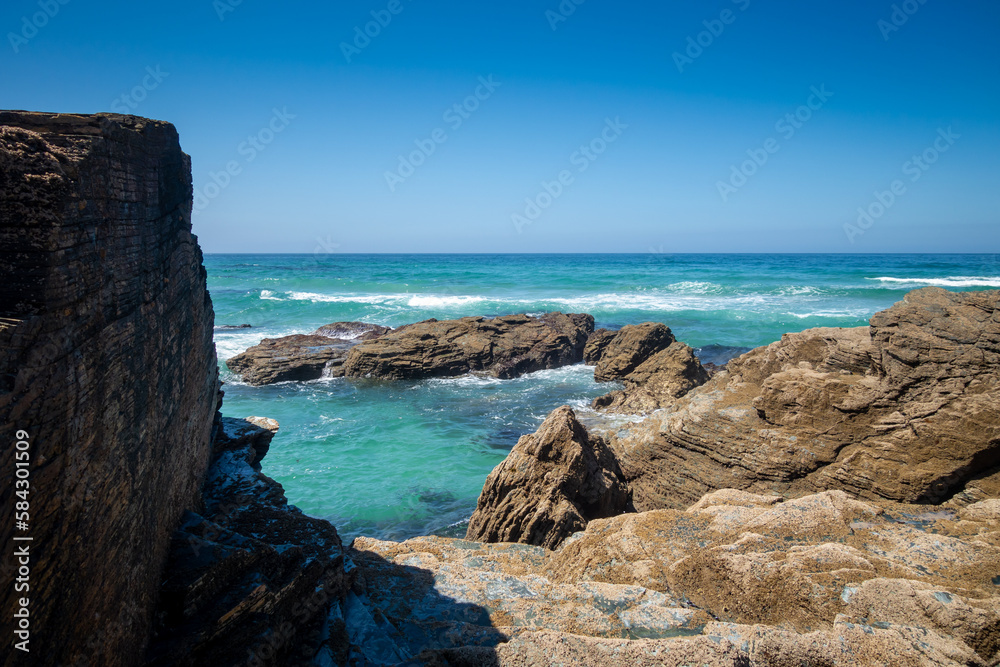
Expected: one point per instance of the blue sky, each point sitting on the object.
(591, 133)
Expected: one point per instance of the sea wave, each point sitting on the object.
(950, 281)
(429, 301)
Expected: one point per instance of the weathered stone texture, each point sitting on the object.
(107, 362)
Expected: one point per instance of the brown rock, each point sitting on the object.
(907, 410)
(549, 486)
(657, 382)
(505, 347)
(631, 346)
(107, 363)
(303, 357)
(596, 345)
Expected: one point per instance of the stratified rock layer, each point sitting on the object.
(303, 357)
(907, 409)
(656, 382)
(551, 484)
(249, 579)
(505, 347)
(107, 362)
(622, 353)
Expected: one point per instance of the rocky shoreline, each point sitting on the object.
(832, 498)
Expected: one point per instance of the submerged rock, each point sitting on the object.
(303, 357)
(505, 347)
(907, 409)
(551, 484)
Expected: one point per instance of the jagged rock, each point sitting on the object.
(505, 347)
(303, 357)
(657, 382)
(630, 346)
(596, 344)
(249, 578)
(107, 363)
(549, 486)
(907, 409)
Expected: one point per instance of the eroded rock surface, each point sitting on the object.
(505, 347)
(551, 484)
(736, 579)
(657, 382)
(303, 357)
(107, 364)
(907, 409)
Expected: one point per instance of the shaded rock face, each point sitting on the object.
(736, 579)
(505, 347)
(907, 409)
(628, 348)
(551, 484)
(107, 362)
(596, 344)
(657, 382)
(249, 579)
(303, 357)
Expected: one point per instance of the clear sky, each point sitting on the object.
(601, 127)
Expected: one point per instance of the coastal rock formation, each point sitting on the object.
(657, 382)
(249, 579)
(303, 357)
(596, 344)
(736, 579)
(655, 368)
(627, 349)
(107, 365)
(505, 347)
(550, 485)
(907, 409)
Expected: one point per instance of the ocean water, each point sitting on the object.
(397, 459)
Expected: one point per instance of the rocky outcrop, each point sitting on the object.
(551, 484)
(504, 347)
(596, 344)
(107, 366)
(303, 357)
(657, 382)
(907, 409)
(655, 368)
(249, 579)
(735, 579)
(627, 349)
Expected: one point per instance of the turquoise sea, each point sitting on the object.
(398, 459)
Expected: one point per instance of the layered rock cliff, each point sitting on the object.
(107, 363)
(907, 409)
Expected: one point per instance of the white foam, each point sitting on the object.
(268, 295)
(950, 281)
(858, 313)
(442, 301)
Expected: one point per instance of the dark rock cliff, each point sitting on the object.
(107, 362)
